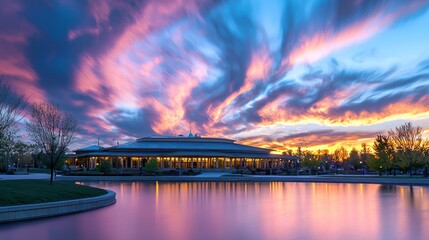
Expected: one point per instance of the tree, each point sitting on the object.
(340, 154)
(409, 145)
(325, 158)
(384, 158)
(426, 157)
(21, 154)
(52, 130)
(311, 161)
(11, 107)
(105, 166)
(7, 146)
(151, 166)
(354, 160)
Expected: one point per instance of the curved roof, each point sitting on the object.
(90, 149)
(174, 144)
(181, 146)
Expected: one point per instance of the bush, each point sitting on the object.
(151, 165)
(105, 167)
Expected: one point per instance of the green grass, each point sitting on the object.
(18, 192)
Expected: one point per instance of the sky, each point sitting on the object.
(276, 74)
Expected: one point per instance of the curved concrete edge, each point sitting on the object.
(41, 210)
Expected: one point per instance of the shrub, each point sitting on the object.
(105, 167)
(151, 165)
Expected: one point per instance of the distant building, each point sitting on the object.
(192, 152)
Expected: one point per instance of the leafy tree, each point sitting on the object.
(354, 160)
(384, 154)
(375, 164)
(151, 166)
(52, 130)
(325, 158)
(7, 147)
(105, 166)
(21, 154)
(340, 154)
(409, 145)
(426, 157)
(311, 161)
(39, 158)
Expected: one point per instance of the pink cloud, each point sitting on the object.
(13, 63)
(258, 70)
(128, 82)
(322, 44)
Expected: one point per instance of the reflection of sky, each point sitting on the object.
(280, 74)
(243, 210)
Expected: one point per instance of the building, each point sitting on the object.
(192, 152)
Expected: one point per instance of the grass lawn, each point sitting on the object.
(17, 192)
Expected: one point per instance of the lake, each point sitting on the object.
(238, 210)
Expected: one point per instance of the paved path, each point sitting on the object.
(26, 176)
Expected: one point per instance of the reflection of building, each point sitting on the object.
(181, 152)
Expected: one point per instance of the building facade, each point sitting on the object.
(192, 152)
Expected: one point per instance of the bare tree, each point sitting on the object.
(409, 145)
(12, 105)
(52, 130)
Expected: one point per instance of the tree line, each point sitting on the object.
(400, 150)
(49, 129)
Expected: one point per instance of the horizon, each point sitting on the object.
(277, 74)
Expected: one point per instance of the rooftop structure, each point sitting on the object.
(181, 152)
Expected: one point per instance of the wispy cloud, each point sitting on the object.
(257, 72)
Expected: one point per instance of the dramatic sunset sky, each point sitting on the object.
(277, 74)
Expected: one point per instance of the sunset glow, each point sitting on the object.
(276, 74)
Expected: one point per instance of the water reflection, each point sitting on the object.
(275, 210)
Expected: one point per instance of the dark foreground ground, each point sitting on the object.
(30, 191)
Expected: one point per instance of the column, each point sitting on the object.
(192, 163)
(217, 162)
(179, 160)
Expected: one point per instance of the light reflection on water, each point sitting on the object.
(209, 210)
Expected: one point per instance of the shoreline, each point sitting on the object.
(51, 209)
(355, 179)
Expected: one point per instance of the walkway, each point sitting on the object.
(24, 176)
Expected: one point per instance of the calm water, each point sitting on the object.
(242, 211)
